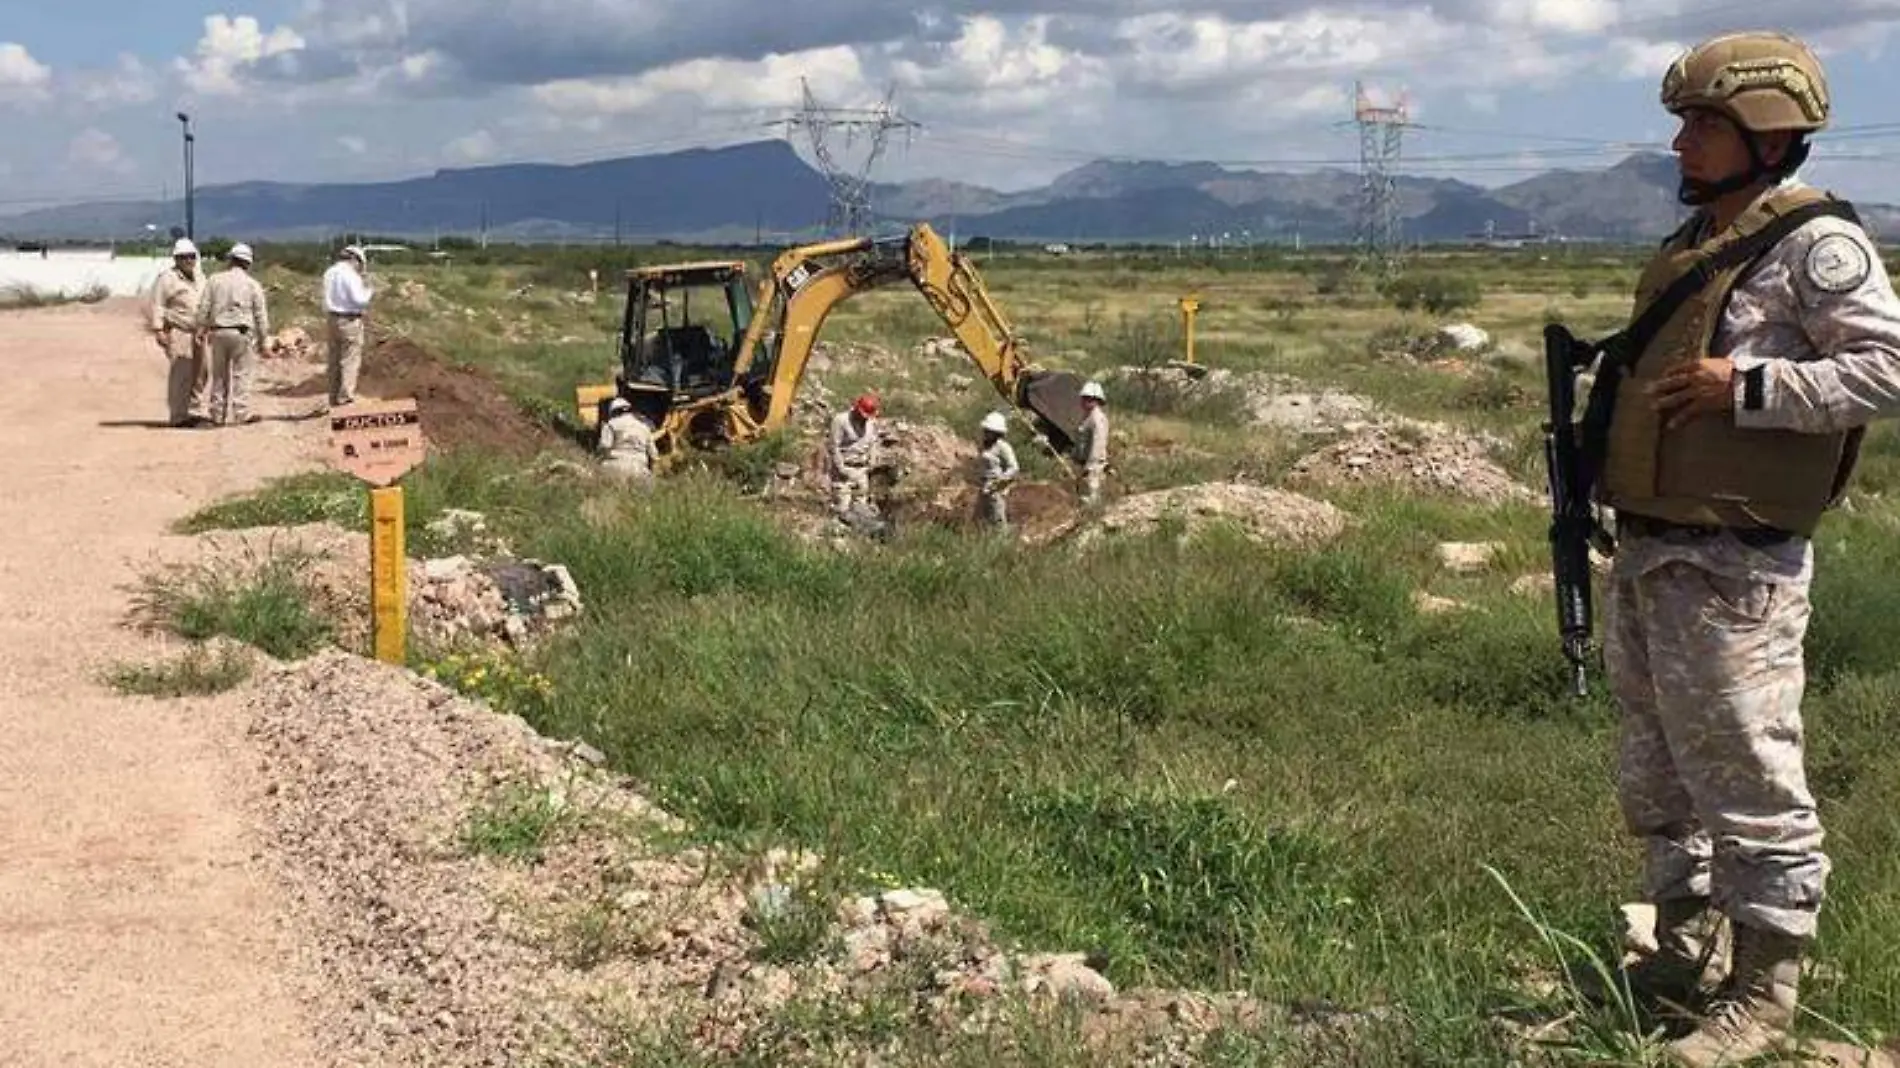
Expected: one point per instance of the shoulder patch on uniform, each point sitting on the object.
(1837, 264)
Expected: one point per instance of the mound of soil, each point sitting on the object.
(461, 407)
(1266, 399)
(1262, 514)
(1422, 457)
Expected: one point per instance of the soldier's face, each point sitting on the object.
(1709, 148)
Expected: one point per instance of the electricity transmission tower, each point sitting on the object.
(1381, 133)
(850, 213)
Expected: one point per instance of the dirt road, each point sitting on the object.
(135, 928)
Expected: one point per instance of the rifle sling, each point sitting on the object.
(1625, 347)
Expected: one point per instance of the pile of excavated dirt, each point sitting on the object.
(918, 460)
(1260, 512)
(1424, 457)
(827, 356)
(494, 600)
(470, 893)
(1268, 400)
(460, 406)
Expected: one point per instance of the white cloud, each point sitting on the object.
(96, 150)
(129, 82)
(355, 146)
(233, 47)
(712, 84)
(472, 148)
(22, 78)
(1002, 69)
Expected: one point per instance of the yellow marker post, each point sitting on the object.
(379, 442)
(1189, 305)
(388, 585)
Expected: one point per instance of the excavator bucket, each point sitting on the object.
(1055, 399)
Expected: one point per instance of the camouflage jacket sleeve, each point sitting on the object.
(1829, 278)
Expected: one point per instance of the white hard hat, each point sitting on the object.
(184, 247)
(240, 251)
(995, 423)
(1093, 390)
(619, 404)
(356, 252)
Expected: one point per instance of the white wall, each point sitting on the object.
(73, 273)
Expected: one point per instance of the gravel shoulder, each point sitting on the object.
(135, 925)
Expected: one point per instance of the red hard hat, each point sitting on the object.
(866, 404)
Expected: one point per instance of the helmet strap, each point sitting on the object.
(1696, 193)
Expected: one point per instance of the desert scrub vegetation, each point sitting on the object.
(258, 600)
(1214, 764)
(202, 669)
(1218, 763)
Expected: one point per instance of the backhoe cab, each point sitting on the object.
(680, 335)
(707, 359)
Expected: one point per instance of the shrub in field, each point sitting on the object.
(1439, 294)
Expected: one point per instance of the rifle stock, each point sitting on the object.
(1572, 519)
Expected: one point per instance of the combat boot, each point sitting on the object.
(1754, 1011)
(1686, 966)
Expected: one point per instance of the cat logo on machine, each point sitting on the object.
(798, 276)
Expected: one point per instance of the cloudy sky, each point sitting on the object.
(1007, 93)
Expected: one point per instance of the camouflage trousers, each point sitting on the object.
(1708, 671)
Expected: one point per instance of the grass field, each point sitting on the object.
(1217, 764)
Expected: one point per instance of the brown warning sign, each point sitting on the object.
(377, 441)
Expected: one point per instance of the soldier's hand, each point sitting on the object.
(1693, 390)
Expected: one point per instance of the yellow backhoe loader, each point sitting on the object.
(707, 359)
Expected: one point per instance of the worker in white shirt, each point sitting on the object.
(346, 297)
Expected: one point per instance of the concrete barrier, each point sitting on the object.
(70, 275)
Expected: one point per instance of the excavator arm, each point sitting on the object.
(806, 283)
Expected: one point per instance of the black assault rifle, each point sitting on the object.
(1574, 451)
(1572, 456)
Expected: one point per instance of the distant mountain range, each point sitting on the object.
(764, 189)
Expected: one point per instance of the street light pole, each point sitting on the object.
(191, 228)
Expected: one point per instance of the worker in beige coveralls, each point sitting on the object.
(174, 324)
(1733, 431)
(233, 317)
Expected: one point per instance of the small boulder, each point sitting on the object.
(1466, 558)
(1461, 337)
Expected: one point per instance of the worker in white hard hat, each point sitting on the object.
(233, 314)
(996, 471)
(625, 444)
(174, 324)
(1091, 445)
(346, 297)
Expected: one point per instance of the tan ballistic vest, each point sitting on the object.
(1709, 472)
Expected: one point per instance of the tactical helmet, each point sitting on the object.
(1762, 81)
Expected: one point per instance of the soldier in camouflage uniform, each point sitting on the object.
(1734, 429)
